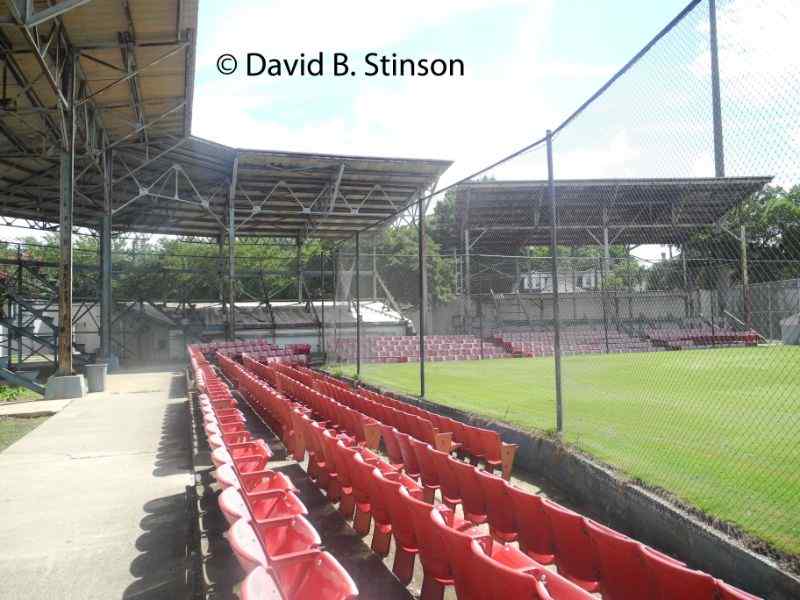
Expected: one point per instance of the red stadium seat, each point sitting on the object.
(448, 482)
(458, 550)
(499, 510)
(264, 544)
(270, 506)
(474, 503)
(575, 555)
(314, 576)
(623, 573)
(429, 474)
(432, 552)
(391, 445)
(508, 576)
(410, 464)
(673, 580)
(532, 525)
(406, 546)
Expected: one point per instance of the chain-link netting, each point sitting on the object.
(674, 296)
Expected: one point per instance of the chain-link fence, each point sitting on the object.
(648, 277)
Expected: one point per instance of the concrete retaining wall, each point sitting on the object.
(631, 509)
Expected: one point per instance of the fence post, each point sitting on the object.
(358, 309)
(551, 192)
(422, 292)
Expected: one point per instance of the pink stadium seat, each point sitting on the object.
(259, 585)
(311, 576)
(457, 545)
(499, 510)
(532, 525)
(575, 555)
(474, 503)
(233, 506)
(265, 544)
(269, 506)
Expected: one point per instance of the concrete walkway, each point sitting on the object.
(35, 408)
(92, 501)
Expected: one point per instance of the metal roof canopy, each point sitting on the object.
(134, 81)
(509, 215)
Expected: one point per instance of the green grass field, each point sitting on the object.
(720, 428)
(12, 429)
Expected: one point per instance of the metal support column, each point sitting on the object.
(747, 300)
(716, 103)
(551, 192)
(299, 267)
(105, 257)
(358, 308)
(322, 300)
(232, 249)
(374, 267)
(67, 191)
(423, 294)
(467, 286)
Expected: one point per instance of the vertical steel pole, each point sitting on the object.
(746, 298)
(374, 268)
(423, 293)
(105, 256)
(232, 248)
(467, 285)
(19, 309)
(67, 190)
(716, 103)
(299, 269)
(322, 297)
(358, 308)
(551, 192)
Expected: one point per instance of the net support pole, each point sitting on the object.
(66, 199)
(716, 103)
(551, 193)
(423, 292)
(322, 299)
(358, 308)
(232, 249)
(298, 258)
(105, 257)
(746, 299)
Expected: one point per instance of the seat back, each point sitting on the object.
(427, 468)
(316, 576)
(504, 582)
(532, 525)
(403, 530)
(474, 503)
(391, 444)
(623, 572)
(410, 464)
(458, 550)
(575, 555)
(673, 580)
(448, 482)
(499, 510)
(432, 552)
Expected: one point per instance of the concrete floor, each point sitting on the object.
(92, 501)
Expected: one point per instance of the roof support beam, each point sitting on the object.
(23, 11)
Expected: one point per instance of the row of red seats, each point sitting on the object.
(368, 488)
(274, 543)
(590, 555)
(479, 444)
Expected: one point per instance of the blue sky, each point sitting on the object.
(528, 64)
